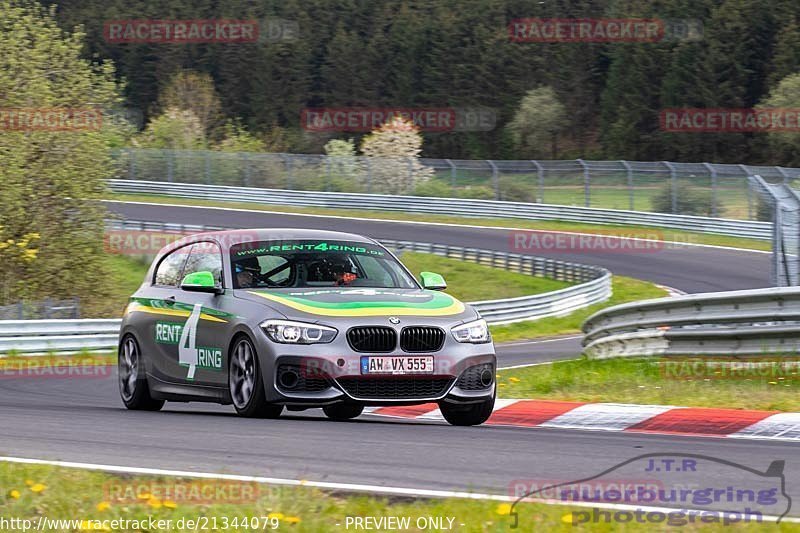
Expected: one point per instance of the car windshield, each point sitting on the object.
(309, 263)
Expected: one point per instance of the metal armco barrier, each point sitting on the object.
(750, 322)
(42, 336)
(593, 285)
(447, 206)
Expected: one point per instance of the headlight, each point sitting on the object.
(475, 332)
(288, 332)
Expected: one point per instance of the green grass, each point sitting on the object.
(646, 381)
(630, 231)
(624, 290)
(127, 273)
(471, 282)
(34, 491)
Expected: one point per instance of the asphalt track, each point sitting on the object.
(83, 420)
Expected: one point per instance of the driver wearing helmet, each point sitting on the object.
(247, 272)
(344, 271)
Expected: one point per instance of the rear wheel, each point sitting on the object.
(343, 411)
(133, 386)
(246, 385)
(467, 415)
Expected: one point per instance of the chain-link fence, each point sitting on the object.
(704, 189)
(41, 310)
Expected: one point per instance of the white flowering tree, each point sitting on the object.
(393, 151)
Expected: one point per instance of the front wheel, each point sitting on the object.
(343, 411)
(467, 415)
(133, 386)
(245, 384)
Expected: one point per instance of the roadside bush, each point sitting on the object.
(690, 200)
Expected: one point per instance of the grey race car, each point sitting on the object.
(267, 319)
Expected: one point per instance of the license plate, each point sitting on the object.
(403, 364)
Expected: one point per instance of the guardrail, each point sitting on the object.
(65, 336)
(749, 322)
(447, 206)
(593, 285)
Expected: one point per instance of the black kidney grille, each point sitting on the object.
(395, 388)
(421, 339)
(470, 379)
(372, 339)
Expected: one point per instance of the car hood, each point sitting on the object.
(323, 303)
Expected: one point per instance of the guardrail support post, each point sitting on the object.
(495, 180)
(131, 164)
(327, 174)
(629, 172)
(586, 184)
(452, 173)
(170, 166)
(713, 172)
(287, 161)
(674, 186)
(540, 175)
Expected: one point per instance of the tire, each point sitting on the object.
(133, 387)
(467, 415)
(245, 383)
(343, 411)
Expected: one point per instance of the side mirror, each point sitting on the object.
(433, 281)
(202, 281)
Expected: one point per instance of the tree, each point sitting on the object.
(176, 129)
(51, 222)
(785, 146)
(343, 166)
(236, 138)
(537, 123)
(393, 150)
(193, 92)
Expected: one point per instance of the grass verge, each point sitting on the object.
(629, 231)
(624, 290)
(648, 381)
(471, 282)
(31, 492)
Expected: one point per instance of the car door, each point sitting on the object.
(202, 348)
(167, 313)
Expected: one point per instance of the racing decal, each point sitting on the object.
(262, 248)
(158, 307)
(185, 337)
(367, 302)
